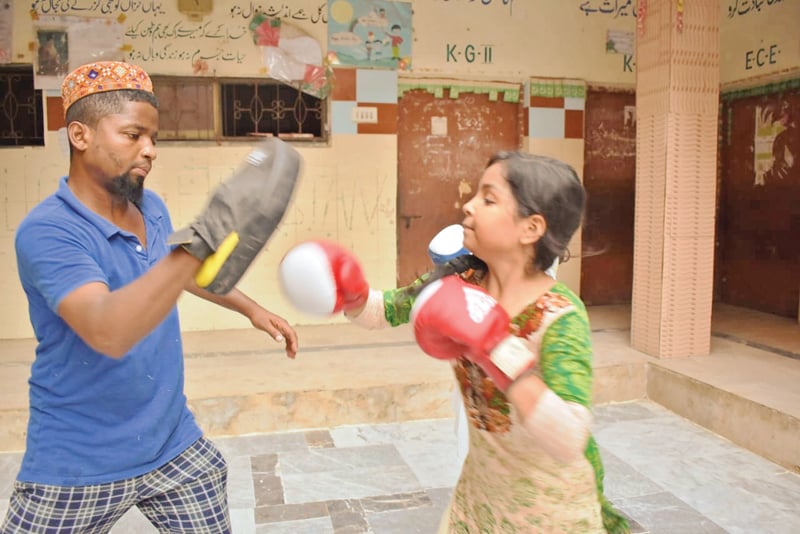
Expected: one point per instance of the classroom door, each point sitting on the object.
(609, 175)
(443, 145)
(758, 224)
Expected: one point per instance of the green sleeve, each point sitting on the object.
(566, 364)
(566, 358)
(397, 303)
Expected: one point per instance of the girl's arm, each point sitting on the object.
(554, 408)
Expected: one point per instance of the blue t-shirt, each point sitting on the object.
(95, 419)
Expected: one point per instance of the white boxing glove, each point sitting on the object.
(322, 278)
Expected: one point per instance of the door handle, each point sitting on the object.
(408, 218)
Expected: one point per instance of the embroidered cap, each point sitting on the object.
(102, 76)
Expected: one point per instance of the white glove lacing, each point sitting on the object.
(373, 316)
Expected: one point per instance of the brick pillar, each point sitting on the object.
(677, 102)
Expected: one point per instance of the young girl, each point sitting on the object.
(520, 346)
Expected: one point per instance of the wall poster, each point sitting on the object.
(773, 151)
(66, 42)
(370, 33)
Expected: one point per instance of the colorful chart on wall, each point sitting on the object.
(370, 33)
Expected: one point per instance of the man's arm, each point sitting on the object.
(241, 215)
(261, 318)
(112, 322)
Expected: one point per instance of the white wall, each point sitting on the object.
(348, 189)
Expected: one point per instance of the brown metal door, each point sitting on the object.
(443, 146)
(758, 228)
(609, 175)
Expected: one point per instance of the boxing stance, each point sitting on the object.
(518, 340)
(109, 426)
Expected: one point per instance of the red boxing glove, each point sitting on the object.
(322, 278)
(452, 318)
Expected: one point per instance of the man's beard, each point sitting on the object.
(126, 187)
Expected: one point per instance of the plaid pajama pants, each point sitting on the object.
(188, 494)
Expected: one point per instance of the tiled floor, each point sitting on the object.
(667, 474)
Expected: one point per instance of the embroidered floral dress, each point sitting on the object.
(507, 483)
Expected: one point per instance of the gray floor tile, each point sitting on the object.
(242, 520)
(663, 513)
(133, 522)
(9, 466)
(347, 516)
(329, 485)
(352, 472)
(423, 520)
(312, 461)
(708, 484)
(317, 525)
(440, 497)
(623, 481)
(415, 516)
(240, 482)
(251, 444)
(739, 510)
(281, 513)
(627, 411)
(393, 433)
(664, 472)
(428, 447)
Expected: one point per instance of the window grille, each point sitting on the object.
(21, 109)
(230, 109)
(186, 109)
(254, 108)
(191, 109)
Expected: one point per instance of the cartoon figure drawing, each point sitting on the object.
(396, 40)
(372, 44)
(360, 32)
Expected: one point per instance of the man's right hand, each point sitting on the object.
(321, 277)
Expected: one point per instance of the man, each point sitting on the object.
(109, 426)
